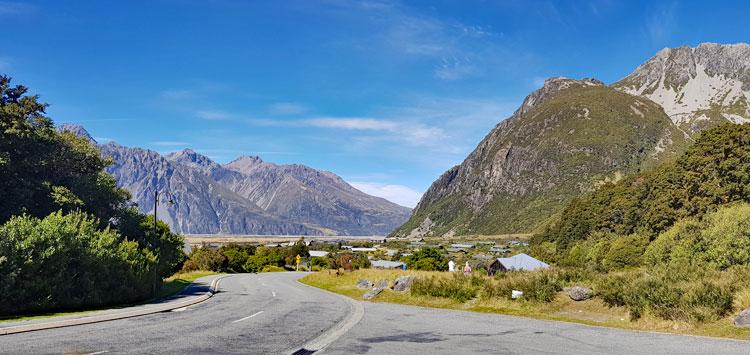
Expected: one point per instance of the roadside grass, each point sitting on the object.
(592, 312)
(172, 285)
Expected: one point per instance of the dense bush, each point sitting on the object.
(75, 241)
(458, 287)
(671, 294)
(539, 286)
(713, 172)
(429, 259)
(66, 262)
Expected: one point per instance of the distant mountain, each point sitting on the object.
(247, 196)
(697, 87)
(571, 136)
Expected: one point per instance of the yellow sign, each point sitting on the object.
(298, 258)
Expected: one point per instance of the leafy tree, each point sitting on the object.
(427, 259)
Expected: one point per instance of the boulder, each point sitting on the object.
(403, 283)
(363, 284)
(580, 293)
(743, 320)
(372, 293)
(382, 284)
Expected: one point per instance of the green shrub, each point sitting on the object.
(208, 259)
(458, 287)
(430, 259)
(541, 286)
(66, 262)
(625, 252)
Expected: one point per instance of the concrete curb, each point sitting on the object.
(322, 341)
(114, 316)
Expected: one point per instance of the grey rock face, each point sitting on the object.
(363, 284)
(382, 284)
(246, 196)
(578, 293)
(743, 319)
(403, 283)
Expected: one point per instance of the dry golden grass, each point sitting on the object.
(562, 308)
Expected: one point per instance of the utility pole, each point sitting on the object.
(156, 205)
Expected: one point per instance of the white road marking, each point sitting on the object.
(98, 352)
(179, 309)
(273, 293)
(248, 317)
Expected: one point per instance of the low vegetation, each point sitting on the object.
(69, 238)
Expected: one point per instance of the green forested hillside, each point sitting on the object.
(713, 172)
(68, 237)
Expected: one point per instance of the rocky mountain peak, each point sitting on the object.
(77, 130)
(245, 163)
(696, 85)
(552, 86)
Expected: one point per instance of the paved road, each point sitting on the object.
(272, 313)
(252, 314)
(391, 329)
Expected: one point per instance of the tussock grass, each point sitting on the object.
(489, 297)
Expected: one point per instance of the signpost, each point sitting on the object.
(298, 258)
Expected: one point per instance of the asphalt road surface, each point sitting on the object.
(273, 314)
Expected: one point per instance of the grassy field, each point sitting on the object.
(562, 308)
(171, 286)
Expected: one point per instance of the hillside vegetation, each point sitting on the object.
(69, 239)
(715, 171)
(566, 139)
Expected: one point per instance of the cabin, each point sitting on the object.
(518, 262)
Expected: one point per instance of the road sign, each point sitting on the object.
(298, 258)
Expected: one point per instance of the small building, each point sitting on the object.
(518, 262)
(385, 264)
(462, 246)
(318, 253)
(456, 250)
(363, 250)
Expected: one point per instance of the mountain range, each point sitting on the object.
(571, 136)
(245, 196)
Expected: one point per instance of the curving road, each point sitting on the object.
(273, 314)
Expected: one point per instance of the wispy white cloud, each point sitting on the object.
(399, 194)
(5, 63)
(287, 108)
(11, 8)
(215, 115)
(455, 68)
(177, 94)
(662, 23)
(412, 133)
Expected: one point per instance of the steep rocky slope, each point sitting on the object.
(566, 138)
(697, 87)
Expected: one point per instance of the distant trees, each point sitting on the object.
(427, 259)
(68, 236)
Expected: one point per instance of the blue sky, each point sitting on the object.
(386, 94)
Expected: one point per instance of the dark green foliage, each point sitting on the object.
(207, 259)
(77, 243)
(237, 256)
(42, 171)
(429, 259)
(713, 172)
(66, 262)
(264, 257)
